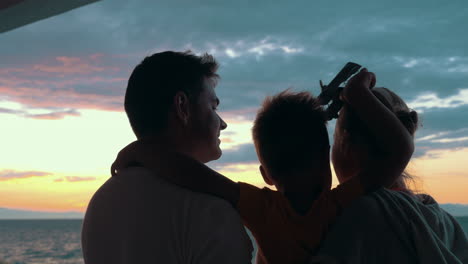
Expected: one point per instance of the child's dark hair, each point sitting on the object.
(290, 133)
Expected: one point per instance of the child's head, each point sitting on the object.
(291, 139)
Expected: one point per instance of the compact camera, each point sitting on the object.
(330, 95)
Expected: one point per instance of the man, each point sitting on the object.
(136, 217)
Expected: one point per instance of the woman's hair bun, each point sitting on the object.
(414, 116)
(409, 120)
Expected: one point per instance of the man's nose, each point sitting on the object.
(223, 124)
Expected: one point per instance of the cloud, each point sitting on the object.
(54, 115)
(45, 114)
(71, 65)
(432, 100)
(9, 111)
(233, 168)
(62, 65)
(259, 55)
(451, 139)
(436, 120)
(7, 175)
(240, 115)
(247, 48)
(74, 179)
(263, 48)
(46, 98)
(89, 82)
(244, 153)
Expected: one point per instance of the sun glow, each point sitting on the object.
(57, 165)
(443, 174)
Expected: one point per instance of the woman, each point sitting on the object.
(391, 225)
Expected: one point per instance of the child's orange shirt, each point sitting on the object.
(283, 236)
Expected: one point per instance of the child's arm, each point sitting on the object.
(178, 169)
(390, 135)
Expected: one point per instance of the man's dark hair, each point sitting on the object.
(154, 83)
(290, 133)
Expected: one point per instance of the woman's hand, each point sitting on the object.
(134, 153)
(360, 83)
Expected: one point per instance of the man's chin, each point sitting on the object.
(215, 155)
(218, 154)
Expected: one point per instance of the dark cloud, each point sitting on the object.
(442, 129)
(444, 119)
(244, 153)
(137, 25)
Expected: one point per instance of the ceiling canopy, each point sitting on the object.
(17, 13)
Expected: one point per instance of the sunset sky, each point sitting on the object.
(62, 82)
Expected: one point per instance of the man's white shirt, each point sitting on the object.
(136, 217)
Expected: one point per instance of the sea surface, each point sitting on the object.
(53, 241)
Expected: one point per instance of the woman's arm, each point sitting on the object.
(178, 169)
(390, 135)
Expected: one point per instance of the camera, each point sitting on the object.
(330, 95)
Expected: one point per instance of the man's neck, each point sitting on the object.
(165, 143)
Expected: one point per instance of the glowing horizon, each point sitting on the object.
(67, 177)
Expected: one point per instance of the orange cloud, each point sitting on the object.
(239, 115)
(75, 179)
(6, 175)
(223, 139)
(47, 98)
(64, 65)
(71, 65)
(65, 82)
(95, 81)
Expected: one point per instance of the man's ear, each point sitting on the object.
(182, 107)
(265, 176)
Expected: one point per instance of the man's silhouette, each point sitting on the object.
(136, 217)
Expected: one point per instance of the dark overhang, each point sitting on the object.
(17, 13)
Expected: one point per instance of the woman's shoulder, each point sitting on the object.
(426, 199)
(417, 206)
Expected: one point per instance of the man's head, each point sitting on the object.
(291, 139)
(171, 95)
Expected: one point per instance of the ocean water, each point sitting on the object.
(53, 241)
(40, 241)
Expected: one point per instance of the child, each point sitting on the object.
(291, 141)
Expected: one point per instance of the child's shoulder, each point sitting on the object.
(246, 187)
(261, 196)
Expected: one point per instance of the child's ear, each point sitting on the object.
(265, 176)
